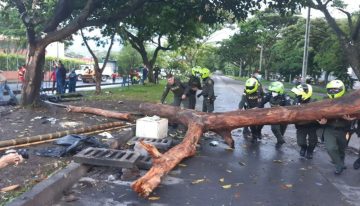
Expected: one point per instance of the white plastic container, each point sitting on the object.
(152, 127)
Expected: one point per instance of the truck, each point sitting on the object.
(86, 73)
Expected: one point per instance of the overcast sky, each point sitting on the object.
(353, 5)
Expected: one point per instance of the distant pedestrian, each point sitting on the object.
(145, 72)
(60, 78)
(5, 87)
(53, 79)
(72, 81)
(113, 76)
(156, 75)
(21, 74)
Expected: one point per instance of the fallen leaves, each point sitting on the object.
(197, 181)
(278, 161)
(221, 179)
(153, 198)
(286, 186)
(226, 186)
(9, 188)
(182, 165)
(242, 164)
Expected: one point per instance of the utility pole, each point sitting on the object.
(261, 56)
(306, 48)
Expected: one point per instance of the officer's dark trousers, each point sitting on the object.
(191, 102)
(335, 143)
(256, 131)
(279, 131)
(177, 101)
(301, 136)
(208, 105)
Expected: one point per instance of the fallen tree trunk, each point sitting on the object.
(105, 113)
(223, 123)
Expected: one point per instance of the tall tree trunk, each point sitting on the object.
(98, 75)
(353, 57)
(35, 61)
(148, 63)
(326, 77)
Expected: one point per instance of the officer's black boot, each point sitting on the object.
(338, 170)
(246, 132)
(357, 164)
(303, 151)
(310, 152)
(279, 143)
(254, 138)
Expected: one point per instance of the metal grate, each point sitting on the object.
(107, 157)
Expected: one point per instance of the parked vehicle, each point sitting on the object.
(86, 73)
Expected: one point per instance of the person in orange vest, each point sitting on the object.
(21, 73)
(53, 79)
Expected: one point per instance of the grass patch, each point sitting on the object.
(145, 93)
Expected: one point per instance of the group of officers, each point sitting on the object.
(186, 92)
(332, 132)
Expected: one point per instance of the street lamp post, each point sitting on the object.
(261, 57)
(306, 48)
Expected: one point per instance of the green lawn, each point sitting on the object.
(148, 93)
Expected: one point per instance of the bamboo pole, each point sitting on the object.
(26, 140)
(51, 140)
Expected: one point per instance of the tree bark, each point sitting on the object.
(34, 74)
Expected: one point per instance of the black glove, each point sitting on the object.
(199, 95)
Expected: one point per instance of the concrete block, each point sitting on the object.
(152, 127)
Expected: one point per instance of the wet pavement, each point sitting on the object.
(252, 174)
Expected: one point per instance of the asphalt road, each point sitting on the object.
(252, 174)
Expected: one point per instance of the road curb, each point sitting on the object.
(51, 189)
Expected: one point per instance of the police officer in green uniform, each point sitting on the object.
(303, 93)
(335, 129)
(276, 97)
(253, 98)
(194, 84)
(207, 91)
(177, 87)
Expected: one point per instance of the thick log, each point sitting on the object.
(164, 163)
(329, 109)
(223, 123)
(101, 112)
